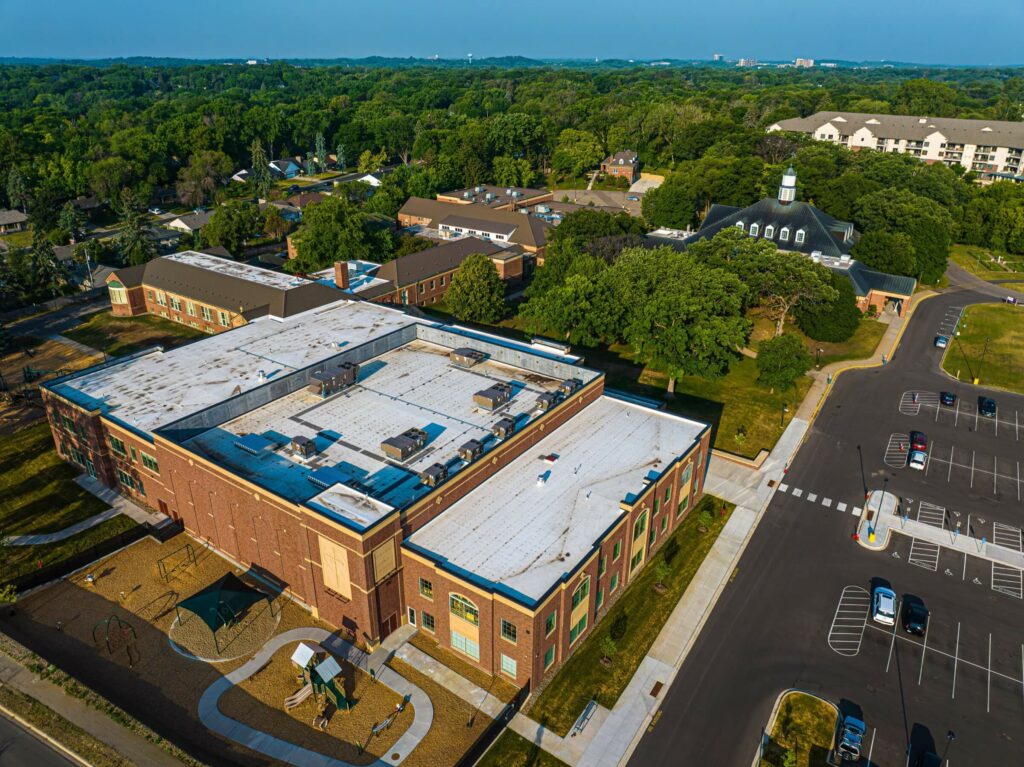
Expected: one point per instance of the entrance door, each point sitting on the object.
(390, 624)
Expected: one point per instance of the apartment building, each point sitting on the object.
(383, 469)
(983, 146)
(211, 293)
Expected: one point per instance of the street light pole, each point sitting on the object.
(817, 357)
(782, 414)
(950, 737)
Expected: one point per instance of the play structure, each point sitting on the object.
(179, 559)
(222, 603)
(117, 634)
(321, 678)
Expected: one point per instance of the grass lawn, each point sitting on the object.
(860, 346)
(123, 335)
(499, 688)
(985, 263)
(634, 621)
(19, 239)
(513, 750)
(1000, 361)
(805, 725)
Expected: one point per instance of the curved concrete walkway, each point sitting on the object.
(37, 539)
(210, 715)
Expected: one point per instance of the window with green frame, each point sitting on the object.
(582, 592)
(653, 536)
(125, 479)
(461, 607)
(117, 445)
(509, 632)
(579, 628)
(668, 493)
(135, 456)
(636, 560)
(664, 523)
(640, 526)
(614, 583)
(602, 564)
(598, 599)
(550, 622)
(549, 657)
(616, 551)
(657, 505)
(150, 463)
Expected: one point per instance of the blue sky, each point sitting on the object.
(927, 31)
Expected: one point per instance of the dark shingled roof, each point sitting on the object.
(865, 280)
(227, 291)
(130, 276)
(822, 233)
(411, 269)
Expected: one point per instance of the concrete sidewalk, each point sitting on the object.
(99, 725)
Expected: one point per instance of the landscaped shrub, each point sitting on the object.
(832, 321)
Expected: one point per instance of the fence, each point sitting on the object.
(488, 736)
(82, 558)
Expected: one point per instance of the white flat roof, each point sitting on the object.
(238, 270)
(523, 533)
(155, 389)
(413, 386)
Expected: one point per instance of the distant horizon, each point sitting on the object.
(984, 35)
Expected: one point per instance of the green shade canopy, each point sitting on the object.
(222, 601)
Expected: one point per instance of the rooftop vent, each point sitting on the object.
(466, 357)
(494, 396)
(471, 450)
(434, 475)
(255, 444)
(504, 428)
(489, 196)
(404, 445)
(303, 447)
(569, 385)
(332, 380)
(543, 209)
(546, 401)
(261, 375)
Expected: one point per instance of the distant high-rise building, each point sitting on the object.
(828, 64)
(718, 57)
(747, 63)
(804, 63)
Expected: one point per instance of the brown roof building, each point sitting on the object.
(452, 220)
(497, 197)
(211, 293)
(624, 164)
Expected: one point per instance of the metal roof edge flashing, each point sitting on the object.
(100, 366)
(469, 577)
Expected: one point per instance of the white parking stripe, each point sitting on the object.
(1008, 580)
(847, 630)
(896, 450)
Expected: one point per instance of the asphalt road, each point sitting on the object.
(771, 628)
(20, 748)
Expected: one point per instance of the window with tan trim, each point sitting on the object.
(118, 295)
(461, 607)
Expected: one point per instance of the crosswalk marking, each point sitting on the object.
(840, 506)
(797, 493)
(783, 488)
(826, 502)
(856, 511)
(812, 497)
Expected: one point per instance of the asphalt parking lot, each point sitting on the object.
(802, 581)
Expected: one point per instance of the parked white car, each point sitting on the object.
(917, 460)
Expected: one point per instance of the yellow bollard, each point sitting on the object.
(975, 381)
(871, 537)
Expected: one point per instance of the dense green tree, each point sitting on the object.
(927, 98)
(275, 225)
(584, 309)
(782, 360)
(231, 225)
(928, 225)
(320, 149)
(477, 293)
(370, 162)
(832, 321)
(333, 230)
(340, 158)
(198, 179)
(408, 245)
(577, 151)
(17, 189)
(47, 276)
(886, 251)
(71, 221)
(134, 244)
(109, 176)
(509, 171)
(259, 170)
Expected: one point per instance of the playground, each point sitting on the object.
(260, 702)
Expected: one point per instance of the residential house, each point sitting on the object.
(191, 223)
(624, 164)
(12, 221)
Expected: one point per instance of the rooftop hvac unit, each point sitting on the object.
(504, 428)
(569, 385)
(466, 358)
(546, 401)
(494, 396)
(303, 447)
(508, 192)
(467, 195)
(404, 445)
(515, 194)
(471, 450)
(478, 189)
(543, 209)
(489, 196)
(332, 380)
(434, 475)
(845, 258)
